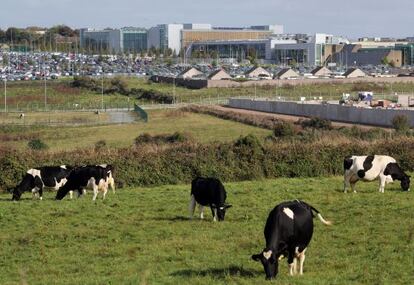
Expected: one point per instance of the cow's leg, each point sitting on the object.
(214, 212)
(105, 186)
(201, 209)
(40, 193)
(301, 261)
(295, 265)
(291, 257)
(346, 182)
(382, 182)
(71, 194)
(353, 186)
(191, 206)
(95, 191)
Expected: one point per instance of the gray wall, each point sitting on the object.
(375, 117)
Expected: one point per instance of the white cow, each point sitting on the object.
(371, 167)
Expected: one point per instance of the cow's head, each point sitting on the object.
(26, 185)
(221, 210)
(405, 183)
(269, 261)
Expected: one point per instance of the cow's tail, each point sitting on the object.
(328, 223)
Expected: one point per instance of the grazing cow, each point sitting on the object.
(109, 180)
(52, 177)
(208, 192)
(94, 177)
(288, 231)
(371, 167)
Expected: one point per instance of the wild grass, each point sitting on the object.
(143, 236)
(203, 128)
(29, 95)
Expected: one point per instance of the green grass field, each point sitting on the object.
(203, 128)
(143, 236)
(29, 95)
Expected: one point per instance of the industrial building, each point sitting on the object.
(127, 39)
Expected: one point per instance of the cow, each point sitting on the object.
(95, 177)
(36, 179)
(288, 231)
(109, 180)
(371, 167)
(208, 192)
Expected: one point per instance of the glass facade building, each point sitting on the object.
(133, 40)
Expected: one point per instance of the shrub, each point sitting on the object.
(100, 145)
(250, 140)
(37, 144)
(176, 137)
(401, 123)
(316, 123)
(283, 129)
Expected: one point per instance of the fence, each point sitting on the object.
(334, 112)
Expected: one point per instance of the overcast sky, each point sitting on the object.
(352, 18)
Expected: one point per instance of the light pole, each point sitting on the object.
(5, 95)
(174, 100)
(102, 93)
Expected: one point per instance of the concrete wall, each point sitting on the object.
(278, 82)
(348, 114)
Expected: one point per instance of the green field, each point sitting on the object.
(203, 128)
(143, 236)
(30, 95)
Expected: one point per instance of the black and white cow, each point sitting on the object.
(93, 177)
(371, 167)
(208, 192)
(110, 179)
(36, 179)
(288, 231)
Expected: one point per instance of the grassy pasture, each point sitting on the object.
(143, 236)
(29, 95)
(54, 118)
(203, 128)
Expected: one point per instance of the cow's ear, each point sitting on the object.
(228, 206)
(257, 257)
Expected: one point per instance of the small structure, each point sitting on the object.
(406, 100)
(219, 74)
(189, 73)
(287, 73)
(321, 71)
(258, 72)
(354, 73)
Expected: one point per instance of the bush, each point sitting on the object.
(250, 140)
(283, 129)
(316, 123)
(176, 137)
(401, 124)
(37, 144)
(100, 145)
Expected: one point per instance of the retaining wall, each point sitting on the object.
(348, 114)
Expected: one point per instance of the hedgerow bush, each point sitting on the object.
(245, 159)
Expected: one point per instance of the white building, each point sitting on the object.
(165, 36)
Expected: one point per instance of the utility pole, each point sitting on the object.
(5, 95)
(102, 92)
(44, 76)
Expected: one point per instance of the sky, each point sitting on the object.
(350, 18)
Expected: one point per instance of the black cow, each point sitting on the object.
(93, 177)
(35, 179)
(371, 167)
(288, 231)
(208, 192)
